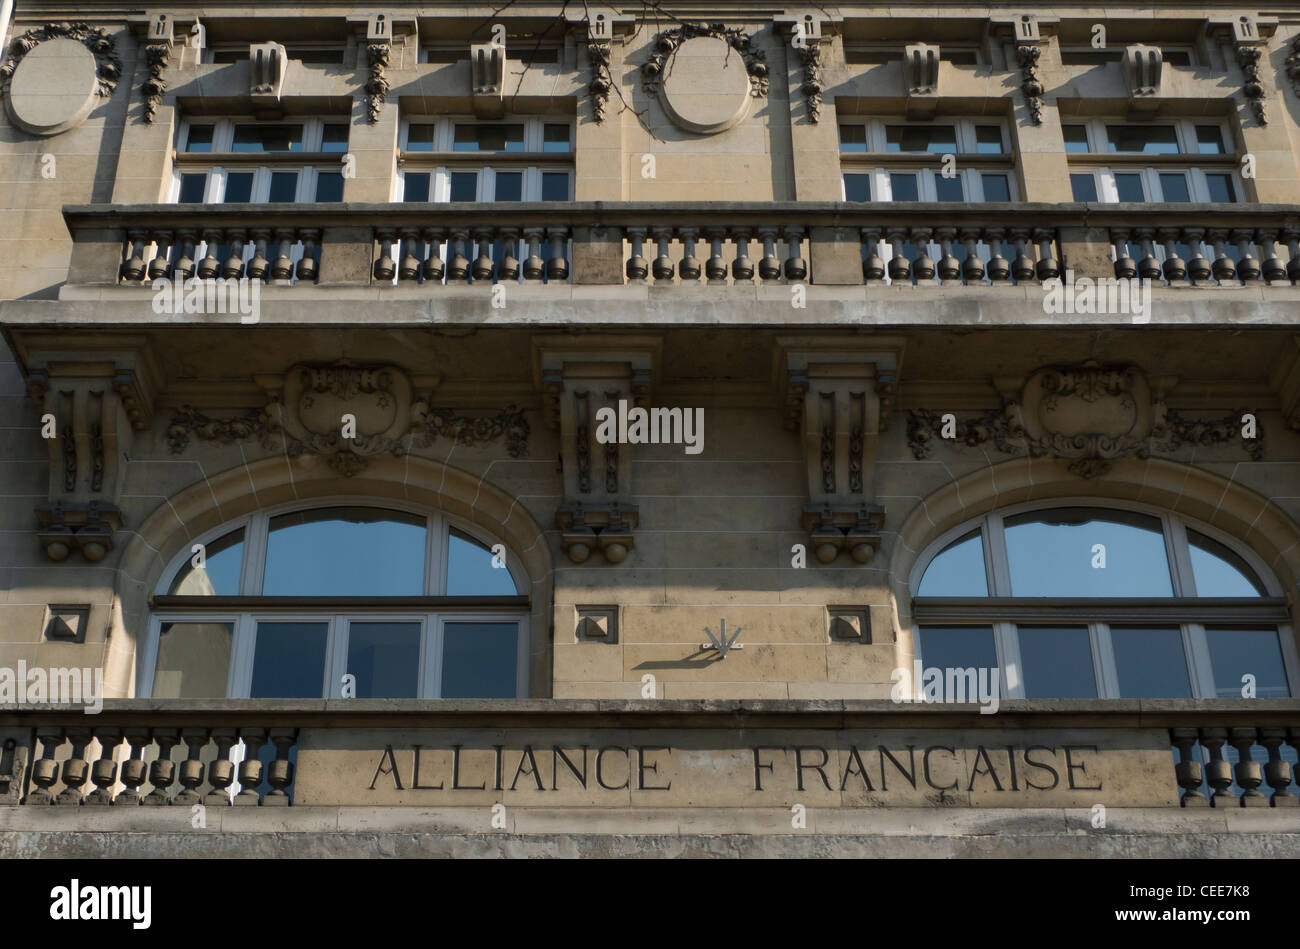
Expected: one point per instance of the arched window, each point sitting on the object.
(339, 600)
(1080, 601)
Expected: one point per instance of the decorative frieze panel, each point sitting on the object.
(107, 63)
(1089, 415)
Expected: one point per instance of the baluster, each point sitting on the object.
(307, 269)
(508, 268)
(482, 269)
(1174, 269)
(1277, 773)
(1247, 265)
(1023, 266)
(45, 770)
(133, 769)
(1248, 772)
(280, 772)
(1292, 237)
(637, 267)
(233, 268)
(1198, 268)
(689, 268)
(250, 769)
(999, 268)
(75, 768)
(796, 268)
(410, 268)
(433, 269)
(769, 267)
(534, 267)
(1223, 268)
(1188, 769)
(385, 268)
(742, 268)
(1218, 772)
(221, 770)
(210, 265)
(900, 268)
(184, 266)
(949, 266)
(663, 267)
(259, 266)
(159, 266)
(1148, 266)
(923, 266)
(715, 268)
(191, 770)
(1048, 268)
(162, 771)
(133, 266)
(557, 268)
(282, 268)
(103, 772)
(1125, 265)
(972, 268)
(873, 268)
(1274, 269)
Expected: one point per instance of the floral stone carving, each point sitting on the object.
(108, 63)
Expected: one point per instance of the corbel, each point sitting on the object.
(1143, 66)
(838, 395)
(268, 64)
(158, 55)
(1246, 35)
(488, 79)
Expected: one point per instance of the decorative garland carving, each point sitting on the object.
(226, 431)
(811, 57)
(93, 38)
(1032, 84)
(378, 55)
(667, 43)
(428, 425)
(1248, 58)
(158, 56)
(601, 78)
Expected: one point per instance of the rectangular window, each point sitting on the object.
(1173, 185)
(1146, 139)
(193, 660)
(284, 187)
(489, 138)
(903, 187)
(385, 658)
(1222, 190)
(948, 189)
(958, 647)
(472, 666)
(988, 140)
(239, 187)
(193, 187)
(289, 660)
(1237, 653)
(199, 138)
(1084, 187)
(419, 138)
(555, 186)
(267, 138)
(1056, 662)
(329, 186)
(1151, 663)
(857, 187)
(1129, 187)
(1076, 139)
(1209, 140)
(464, 186)
(936, 139)
(853, 138)
(996, 187)
(334, 139)
(509, 186)
(416, 186)
(557, 138)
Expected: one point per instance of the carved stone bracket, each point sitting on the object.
(98, 41)
(599, 54)
(267, 65)
(607, 528)
(1028, 55)
(488, 79)
(1143, 66)
(835, 529)
(157, 54)
(921, 68)
(668, 42)
(379, 49)
(1245, 34)
(1089, 415)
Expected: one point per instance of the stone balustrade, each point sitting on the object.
(1184, 256)
(1209, 779)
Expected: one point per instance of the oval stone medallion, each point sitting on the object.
(705, 85)
(53, 89)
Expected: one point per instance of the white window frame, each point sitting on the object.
(485, 164)
(1094, 161)
(438, 528)
(1183, 584)
(880, 170)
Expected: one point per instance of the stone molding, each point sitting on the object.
(97, 40)
(1143, 68)
(668, 42)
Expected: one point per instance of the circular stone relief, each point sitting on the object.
(705, 85)
(53, 89)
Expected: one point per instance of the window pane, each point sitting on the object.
(345, 552)
(921, 138)
(1209, 140)
(219, 576)
(479, 660)
(464, 186)
(199, 138)
(239, 187)
(284, 186)
(1235, 653)
(1222, 190)
(193, 660)
(1076, 138)
(958, 647)
(1055, 553)
(958, 570)
(289, 661)
(385, 658)
(948, 189)
(1174, 187)
(510, 186)
(470, 571)
(853, 138)
(1084, 187)
(489, 138)
(1129, 187)
(556, 138)
(857, 187)
(996, 188)
(335, 139)
(416, 187)
(1151, 663)
(903, 187)
(555, 186)
(1219, 570)
(192, 189)
(329, 186)
(268, 138)
(1148, 139)
(988, 140)
(1056, 662)
(419, 138)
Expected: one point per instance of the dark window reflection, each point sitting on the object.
(1151, 663)
(345, 552)
(385, 658)
(1056, 662)
(479, 660)
(289, 661)
(1236, 653)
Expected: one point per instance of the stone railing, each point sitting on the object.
(1121, 753)
(715, 244)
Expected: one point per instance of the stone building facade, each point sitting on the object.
(613, 414)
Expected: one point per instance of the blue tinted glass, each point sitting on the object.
(1084, 187)
(267, 138)
(239, 187)
(903, 187)
(1076, 138)
(1087, 552)
(385, 658)
(958, 570)
(416, 187)
(958, 647)
(556, 138)
(938, 139)
(1056, 662)
(193, 660)
(199, 138)
(489, 138)
(1151, 663)
(334, 139)
(1222, 190)
(1220, 571)
(284, 186)
(1130, 188)
(1209, 140)
(948, 189)
(853, 138)
(419, 138)
(219, 576)
(479, 660)
(510, 185)
(192, 188)
(470, 571)
(1174, 188)
(1236, 653)
(988, 140)
(289, 661)
(1148, 139)
(329, 186)
(857, 187)
(996, 188)
(345, 552)
(464, 186)
(555, 186)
